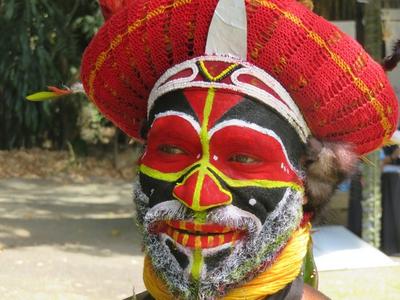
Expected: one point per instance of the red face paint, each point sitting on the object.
(173, 144)
(244, 153)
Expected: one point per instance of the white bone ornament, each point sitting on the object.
(227, 34)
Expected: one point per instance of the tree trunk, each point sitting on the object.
(371, 203)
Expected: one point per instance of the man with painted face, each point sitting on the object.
(252, 112)
(220, 184)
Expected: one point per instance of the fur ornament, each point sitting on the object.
(326, 165)
(390, 62)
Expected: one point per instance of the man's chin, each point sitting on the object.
(196, 266)
(185, 253)
(219, 266)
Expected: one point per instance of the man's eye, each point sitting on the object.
(243, 159)
(169, 149)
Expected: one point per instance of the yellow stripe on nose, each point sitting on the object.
(201, 192)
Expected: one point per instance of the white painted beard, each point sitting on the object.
(237, 263)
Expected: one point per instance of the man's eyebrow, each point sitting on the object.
(243, 124)
(189, 118)
(175, 100)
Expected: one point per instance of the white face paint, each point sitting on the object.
(252, 201)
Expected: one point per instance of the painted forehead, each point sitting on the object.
(228, 106)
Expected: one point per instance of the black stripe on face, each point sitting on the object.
(174, 100)
(258, 201)
(253, 111)
(157, 190)
(214, 260)
(180, 257)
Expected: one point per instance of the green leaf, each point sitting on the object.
(42, 96)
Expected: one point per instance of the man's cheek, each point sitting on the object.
(156, 190)
(257, 201)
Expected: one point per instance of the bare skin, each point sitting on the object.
(310, 293)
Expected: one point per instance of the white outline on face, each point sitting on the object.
(196, 126)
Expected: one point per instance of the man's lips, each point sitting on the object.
(195, 235)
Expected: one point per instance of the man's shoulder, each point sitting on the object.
(309, 293)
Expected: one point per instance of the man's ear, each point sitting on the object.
(326, 164)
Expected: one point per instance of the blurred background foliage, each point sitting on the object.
(346, 9)
(41, 44)
(336, 9)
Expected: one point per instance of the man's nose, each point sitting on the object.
(201, 190)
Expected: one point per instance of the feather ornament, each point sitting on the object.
(390, 62)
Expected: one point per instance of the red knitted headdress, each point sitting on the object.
(340, 91)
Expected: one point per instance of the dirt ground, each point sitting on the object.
(64, 166)
(67, 228)
(72, 241)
